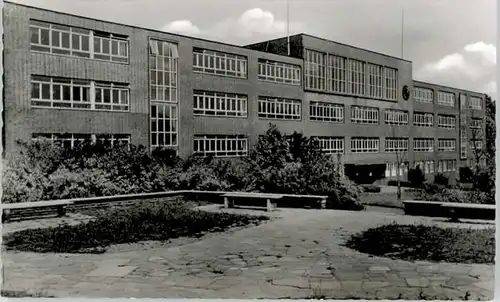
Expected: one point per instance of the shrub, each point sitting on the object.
(465, 174)
(428, 243)
(371, 189)
(416, 177)
(277, 164)
(441, 179)
(294, 164)
(143, 221)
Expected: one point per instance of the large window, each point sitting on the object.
(331, 145)
(396, 144)
(396, 117)
(447, 145)
(357, 77)
(164, 122)
(423, 95)
(315, 70)
(73, 41)
(163, 71)
(109, 96)
(337, 74)
(364, 115)
(423, 145)
(72, 140)
(427, 167)
(365, 145)
(447, 121)
(279, 108)
(219, 63)
(220, 145)
(446, 99)
(447, 165)
(78, 94)
(392, 168)
(475, 103)
(219, 104)
(476, 123)
(423, 119)
(110, 47)
(279, 72)
(164, 115)
(476, 144)
(391, 83)
(326, 112)
(375, 81)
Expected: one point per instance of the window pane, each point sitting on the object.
(55, 39)
(85, 43)
(46, 91)
(35, 90)
(35, 36)
(75, 42)
(65, 40)
(105, 46)
(45, 35)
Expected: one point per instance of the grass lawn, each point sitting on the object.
(140, 222)
(385, 199)
(431, 243)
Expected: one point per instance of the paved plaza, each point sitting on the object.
(298, 254)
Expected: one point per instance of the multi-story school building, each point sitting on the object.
(71, 78)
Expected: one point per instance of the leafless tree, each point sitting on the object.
(478, 148)
(401, 159)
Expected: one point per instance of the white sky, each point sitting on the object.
(451, 42)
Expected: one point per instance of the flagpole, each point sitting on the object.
(288, 26)
(402, 31)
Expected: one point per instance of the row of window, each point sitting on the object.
(338, 74)
(79, 42)
(447, 145)
(426, 95)
(391, 169)
(279, 72)
(72, 140)
(78, 94)
(85, 94)
(447, 165)
(427, 167)
(234, 145)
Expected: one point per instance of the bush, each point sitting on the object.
(292, 164)
(465, 174)
(416, 177)
(428, 243)
(441, 179)
(141, 222)
(371, 189)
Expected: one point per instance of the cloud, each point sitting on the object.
(252, 25)
(473, 68)
(184, 27)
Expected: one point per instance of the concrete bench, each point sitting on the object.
(59, 204)
(468, 210)
(322, 198)
(230, 197)
(453, 210)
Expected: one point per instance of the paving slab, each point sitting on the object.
(298, 254)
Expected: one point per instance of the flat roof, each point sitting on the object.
(224, 43)
(143, 28)
(449, 87)
(336, 42)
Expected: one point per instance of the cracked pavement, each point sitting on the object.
(299, 253)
